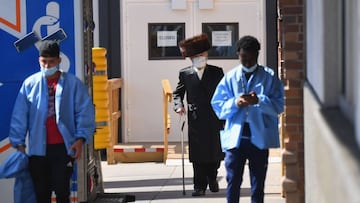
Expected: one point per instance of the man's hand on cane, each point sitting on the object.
(181, 111)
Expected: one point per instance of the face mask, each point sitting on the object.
(249, 70)
(200, 61)
(49, 71)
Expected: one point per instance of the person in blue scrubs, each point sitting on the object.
(250, 98)
(55, 112)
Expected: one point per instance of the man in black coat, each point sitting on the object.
(199, 82)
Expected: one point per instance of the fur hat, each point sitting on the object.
(195, 45)
(49, 48)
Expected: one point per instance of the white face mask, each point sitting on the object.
(49, 71)
(249, 70)
(199, 62)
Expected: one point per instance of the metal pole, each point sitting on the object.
(182, 155)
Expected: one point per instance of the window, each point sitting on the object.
(164, 40)
(222, 37)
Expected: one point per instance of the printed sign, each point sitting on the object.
(166, 38)
(221, 38)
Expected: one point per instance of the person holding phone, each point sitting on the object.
(250, 98)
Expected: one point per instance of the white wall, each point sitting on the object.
(96, 21)
(357, 72)
(322, 31)
(314, 43)
(331, 172)
(332, 169)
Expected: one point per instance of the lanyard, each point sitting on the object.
(244, 82)
(244, 85)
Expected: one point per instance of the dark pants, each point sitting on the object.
(235, 160)
(204, 173)
(52, 173)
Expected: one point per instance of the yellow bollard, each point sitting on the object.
(101, 99)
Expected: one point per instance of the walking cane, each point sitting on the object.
(182, 155)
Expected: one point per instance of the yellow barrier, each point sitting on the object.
(167, 96)
(100, 97)
(106, 100)
(113, 91)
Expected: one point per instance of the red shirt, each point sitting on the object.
(53, 135)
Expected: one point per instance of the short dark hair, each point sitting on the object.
(248, 43)
(49, 48)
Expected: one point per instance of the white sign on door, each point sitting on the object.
(221, 38)
(166, 38)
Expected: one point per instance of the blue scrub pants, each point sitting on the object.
(235, 160)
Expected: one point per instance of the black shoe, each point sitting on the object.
(214, 186)
(198, 192)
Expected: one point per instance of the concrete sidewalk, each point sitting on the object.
(157, 182)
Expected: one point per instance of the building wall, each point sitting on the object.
(323, 30)
(357, 72)
(331, 107)
(292, 66)
(332, 171)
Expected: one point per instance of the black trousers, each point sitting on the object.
(204, 173)
(52, 173)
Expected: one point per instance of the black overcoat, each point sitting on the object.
(203, 124)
